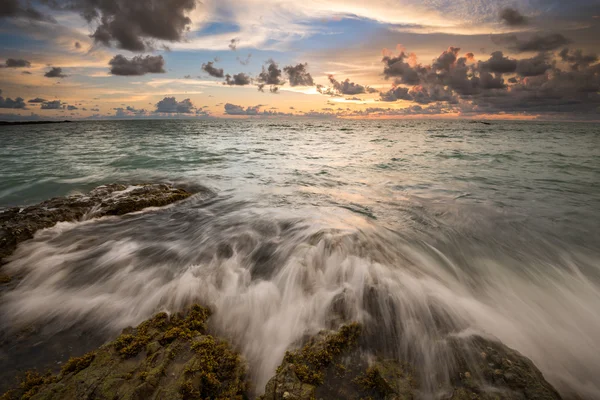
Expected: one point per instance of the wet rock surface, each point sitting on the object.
(20, 224)
(166, 357)
(175, 358)
(333, 366)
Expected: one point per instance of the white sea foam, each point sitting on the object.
(271, 280)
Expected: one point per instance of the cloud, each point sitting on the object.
(71, 108)
(133, 24)
(10, 103)
(539, 86)
(37, 100)
(270, 76)
(14, 9)
(77, 45)
(399, 68)
(240, 79)
(577, 59)
(26, 73)
(170, 105)
(345, 87)
(534, 66)
(129, 111)
(55, 72)
(446, 59)
(232, 109)
(211, 70)
(245, 61)
(512, 17)
(138, 65)
(298, 75)
(16, 63)
(535, 43)
(499, 64)
(52, 105)
(233, 44)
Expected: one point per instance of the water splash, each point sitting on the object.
(275, 275)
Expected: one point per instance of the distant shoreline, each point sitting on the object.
(32, 122)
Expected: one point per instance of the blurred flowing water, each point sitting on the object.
(420, 230)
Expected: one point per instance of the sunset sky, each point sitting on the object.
(276, 58)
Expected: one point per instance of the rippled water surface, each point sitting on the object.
(417, 229)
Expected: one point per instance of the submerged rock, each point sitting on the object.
(163, 358)
(20, 224)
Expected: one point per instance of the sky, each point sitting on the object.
(112, 59)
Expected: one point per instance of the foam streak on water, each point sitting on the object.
(420, 238)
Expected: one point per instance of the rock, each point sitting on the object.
(491, 370)
(332, 365)
(163, 358)
(20, 224)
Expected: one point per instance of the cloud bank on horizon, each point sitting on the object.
(317, 58)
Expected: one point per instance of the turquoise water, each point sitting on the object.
(494, 227)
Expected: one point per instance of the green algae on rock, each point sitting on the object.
(336, 366)
(20, 224)
(163, 358)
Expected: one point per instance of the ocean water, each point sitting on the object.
(420, 230)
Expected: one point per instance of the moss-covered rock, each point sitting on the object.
(331, 365)
(19, 224)
(337, 365)
(163, 358)
(489, 370)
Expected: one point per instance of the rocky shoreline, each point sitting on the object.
(19, 224)
(176, 357)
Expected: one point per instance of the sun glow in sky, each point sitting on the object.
(80, 59)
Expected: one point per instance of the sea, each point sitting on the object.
(423, 229)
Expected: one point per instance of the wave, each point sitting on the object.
(274, 276)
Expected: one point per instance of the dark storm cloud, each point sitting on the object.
(132, 24)
(210, 69)
(232, 109)
(512, 17)
(233, 43)
(534, 66)
(170, 105)
(399, 68)
(539, 86)
(10, 103)
(395, 94)
(298, 75)
(37, 100)
(535, 43)
(16, 63)
(17, 9)
(240, 79)
(577, 59)
(55, 72)
(138, 65)
(499, 64)
(270, 76)
(52, 105)
(446, 59)
(419, 94)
